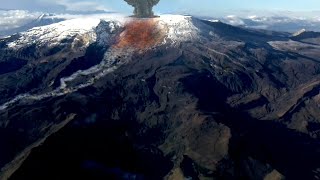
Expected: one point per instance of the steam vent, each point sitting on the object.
(143, 8)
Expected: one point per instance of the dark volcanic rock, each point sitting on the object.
(232, 105)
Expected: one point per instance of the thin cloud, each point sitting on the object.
(15, 18)
(53, 6)
(82, 5)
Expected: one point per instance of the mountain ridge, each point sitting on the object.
(198, 101)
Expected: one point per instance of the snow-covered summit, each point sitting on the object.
(177, 28)
(55, 33)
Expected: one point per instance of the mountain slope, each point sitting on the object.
(307, 37)
(158, 98)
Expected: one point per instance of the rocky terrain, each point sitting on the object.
(173, 97)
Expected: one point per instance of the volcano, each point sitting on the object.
(174, 97)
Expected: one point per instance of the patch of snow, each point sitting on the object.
(54, 33)
(214, 20)
(109, 64)
(179, 28)
(299, 32)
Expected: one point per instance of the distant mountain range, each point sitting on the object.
(15, 21)
(42, 20)
(307, 37)
(274, 23)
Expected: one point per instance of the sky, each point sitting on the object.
(194, 7)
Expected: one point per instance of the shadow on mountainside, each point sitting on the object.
(294, 154)
(97, 151)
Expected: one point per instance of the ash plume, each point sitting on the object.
(143, 8)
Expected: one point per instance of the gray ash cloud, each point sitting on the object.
(143, 8)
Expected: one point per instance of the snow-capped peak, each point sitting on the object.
(177, 28)
(54, 33)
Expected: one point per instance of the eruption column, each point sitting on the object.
(143, 8)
